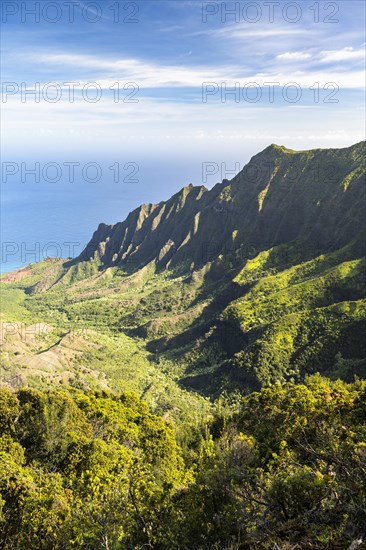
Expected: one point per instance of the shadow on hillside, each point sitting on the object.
(205, 322)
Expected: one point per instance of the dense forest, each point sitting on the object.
(283, 466)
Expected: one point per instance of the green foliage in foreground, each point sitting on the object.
(92, 470)
(84, 471)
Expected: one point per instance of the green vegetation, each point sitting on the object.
(84, 470)
(95, 470)
(12, 304)
(296, 320)
(274, 320)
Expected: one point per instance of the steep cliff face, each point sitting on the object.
(280, 196)
(151, 232)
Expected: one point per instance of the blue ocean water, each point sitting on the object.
(44, 219)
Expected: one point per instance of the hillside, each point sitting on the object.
(258, 281)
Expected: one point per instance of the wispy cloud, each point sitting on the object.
(237, 31)
(153, 75)
(345, 54)
(294, 56)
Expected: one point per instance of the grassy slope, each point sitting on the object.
(294, 319)
(297, 320)
(84, 344)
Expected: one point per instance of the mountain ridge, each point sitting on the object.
(201, 217)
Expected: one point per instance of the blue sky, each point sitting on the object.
(172, 49)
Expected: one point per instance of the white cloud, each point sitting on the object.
(147, 74)
(154, 127)
(152, 75)
(293, 56)
(346, 54)
(266, 30)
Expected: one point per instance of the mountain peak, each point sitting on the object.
(280, 148)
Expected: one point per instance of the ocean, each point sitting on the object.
(42, 218)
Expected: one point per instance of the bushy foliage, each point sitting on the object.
(280, 467)
(82, 470)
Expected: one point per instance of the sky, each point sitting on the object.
(162, 87)
(166, 52)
